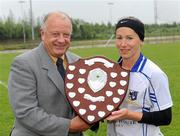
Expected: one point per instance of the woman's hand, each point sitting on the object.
(124, 114)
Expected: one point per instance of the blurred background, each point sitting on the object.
(93, 20)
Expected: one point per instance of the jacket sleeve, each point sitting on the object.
(23, 97)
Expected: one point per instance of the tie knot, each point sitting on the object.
(59, 62)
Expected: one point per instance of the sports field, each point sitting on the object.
(167, 56)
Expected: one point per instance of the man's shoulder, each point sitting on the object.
(70, 53)
(72, 57)
(28, 56)
(25, 55)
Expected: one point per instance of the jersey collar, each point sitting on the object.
(139, 65)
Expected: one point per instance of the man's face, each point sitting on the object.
(56, 35)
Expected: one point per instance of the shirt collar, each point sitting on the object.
(54, 59)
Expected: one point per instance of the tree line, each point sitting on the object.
(13, 30)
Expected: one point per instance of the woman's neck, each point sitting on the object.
(129, 62)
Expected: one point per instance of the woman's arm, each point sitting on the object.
(157, 118)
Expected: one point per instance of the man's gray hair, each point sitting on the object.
(62, 14)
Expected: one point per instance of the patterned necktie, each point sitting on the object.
(60, 67)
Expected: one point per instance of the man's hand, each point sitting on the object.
(78, 125)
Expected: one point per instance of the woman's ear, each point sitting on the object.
(141, 43)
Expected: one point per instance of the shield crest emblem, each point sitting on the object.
(95, 87)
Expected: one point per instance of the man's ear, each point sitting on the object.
(42, 33)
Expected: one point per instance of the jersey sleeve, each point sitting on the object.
(160, 93)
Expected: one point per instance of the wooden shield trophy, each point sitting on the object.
(95, 87)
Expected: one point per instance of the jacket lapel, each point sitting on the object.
(51, 69)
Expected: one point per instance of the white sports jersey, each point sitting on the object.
(148, 91)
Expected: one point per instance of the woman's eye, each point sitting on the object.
(129, 38)
(118, 37)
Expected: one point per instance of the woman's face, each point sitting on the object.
(128, 43)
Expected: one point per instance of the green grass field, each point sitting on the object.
(167, 56)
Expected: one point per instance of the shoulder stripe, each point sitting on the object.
(143, 64)
(140, 64)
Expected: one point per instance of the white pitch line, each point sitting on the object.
(3, 84)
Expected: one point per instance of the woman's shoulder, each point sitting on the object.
(151, 68)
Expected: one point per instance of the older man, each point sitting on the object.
(36, 84)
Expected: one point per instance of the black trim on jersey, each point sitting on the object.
(157, 118)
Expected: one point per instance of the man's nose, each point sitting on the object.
(61, 38)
